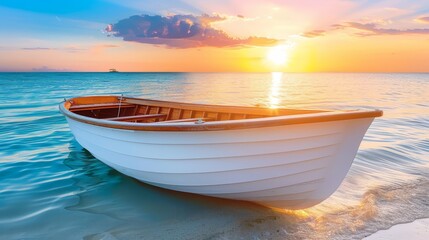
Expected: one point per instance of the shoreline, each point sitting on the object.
(416, 230)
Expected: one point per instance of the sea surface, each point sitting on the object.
(52, 188)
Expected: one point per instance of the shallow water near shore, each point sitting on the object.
(52, 188)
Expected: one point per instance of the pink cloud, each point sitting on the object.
(423, 19)
(314, 33)
(180, 31)
(370, 29)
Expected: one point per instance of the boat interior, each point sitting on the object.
(128, 109)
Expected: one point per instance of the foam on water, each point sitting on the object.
(53, 188)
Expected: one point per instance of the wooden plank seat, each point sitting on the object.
(75, 108)
(137, 117)
(188, 120)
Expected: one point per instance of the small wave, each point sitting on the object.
(47, 176)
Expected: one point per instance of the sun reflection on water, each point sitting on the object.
(274, 97)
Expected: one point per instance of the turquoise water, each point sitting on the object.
(51, 188)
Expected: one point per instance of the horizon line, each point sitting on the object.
(206, 72)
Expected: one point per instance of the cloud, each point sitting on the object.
(100, 48)
(368, 29)
(71, 49)
(48, 69)
(371, 29)
(423, 19)
(314, 33)
(180, 31)
(37, 48)
(107, 46)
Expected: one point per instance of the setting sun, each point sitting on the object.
(277, 55)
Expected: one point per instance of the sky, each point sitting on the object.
(215, 36)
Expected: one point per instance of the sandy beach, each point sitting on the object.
(417, 230)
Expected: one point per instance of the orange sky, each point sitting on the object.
(333, 36)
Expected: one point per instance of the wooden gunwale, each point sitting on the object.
(271, 117)
(99, 106)
(187, 120)
(137, 117)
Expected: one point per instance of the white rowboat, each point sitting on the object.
(284, 158)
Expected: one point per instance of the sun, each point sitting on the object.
(278, 55)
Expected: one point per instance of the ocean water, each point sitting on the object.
(51, 188)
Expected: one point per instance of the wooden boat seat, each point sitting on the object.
(188, 120)
(137, 117)
(85, 107)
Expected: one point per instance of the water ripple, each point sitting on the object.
(52, 188)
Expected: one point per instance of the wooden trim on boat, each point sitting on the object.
(98, 106)
(137, 117)
(261, 117)
(188, 120)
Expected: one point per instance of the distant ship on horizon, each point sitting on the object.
(113, 70)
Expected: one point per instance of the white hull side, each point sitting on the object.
(290, 166)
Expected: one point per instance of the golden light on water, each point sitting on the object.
(274, 97)
(301, 214)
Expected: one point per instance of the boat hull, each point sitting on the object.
(290, 166)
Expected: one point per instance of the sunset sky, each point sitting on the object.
(212, 36)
